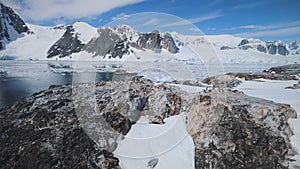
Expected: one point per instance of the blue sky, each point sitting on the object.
(264, 19)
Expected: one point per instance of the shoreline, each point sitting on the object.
(215, 111)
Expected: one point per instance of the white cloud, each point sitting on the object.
(194, 20)
(249, 27)
(13, 4)
(267, 27)
(151, 22)
(120, 16)
(277, 32)
(272, 26)
(194, 29)
(40, 10)
(211, 29)
(244, 6)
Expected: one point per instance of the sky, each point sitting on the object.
(267, 20)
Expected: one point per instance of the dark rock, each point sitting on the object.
(272, 48)
(108, 43)
(263, 75)
(282, 50)
(150, 41)
(59, 127)
(275, 47)
(241, 144)
(155, 42)
(287, 70)
(43, 131)
(223, 81)
(9, 22)
(295, 45)
(112, 43)
(261, 48)
(226, 48)
(152, 163)
(243, 42)
(117, 121)
(66, 45)
(120, 48)
(169, 44)
(245, 47)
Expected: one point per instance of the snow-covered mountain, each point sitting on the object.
(11, 26)
(27, 41)
(109, 42)
(275, 47)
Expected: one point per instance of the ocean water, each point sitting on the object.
(20, 79)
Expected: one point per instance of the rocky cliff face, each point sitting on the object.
(107, 43)
(271, 47)
(275, 47)
(66, 45)
(11, 25)
(112, 42)
(156, 42)
(80, 127)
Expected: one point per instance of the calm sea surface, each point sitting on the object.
(19, 79)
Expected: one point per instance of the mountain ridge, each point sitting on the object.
(11, 25)
(22, 41)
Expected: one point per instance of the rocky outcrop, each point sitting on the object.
(155, 42)
(11, 25)
(42, 131)
(294, 86)
(108, 43)
(295, 48)
(225, 48)
(150, 41)
(288, 70)
(275, 47)
(169, 44)
(243, 42)
(80, 126)
(261, 48)
(112, 42)
(66, 45)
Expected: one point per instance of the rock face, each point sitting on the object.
(243, 42)
(295, 48)
(240, 136)
(275, 47)
(11, 25)
(112, 42)
(66, 45)
(287, 70)
(150, 41)
(42, 131)
(155, 42)
(79, 127)
(262, 48)
(108, 43)
(169, 44)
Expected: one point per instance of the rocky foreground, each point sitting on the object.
(79, 126)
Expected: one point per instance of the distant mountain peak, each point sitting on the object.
(271, 47)
(11, 25)
(111, 42)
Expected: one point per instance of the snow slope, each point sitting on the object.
(211, 44)
(33, 46)
(85, 31)
(148, 142)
